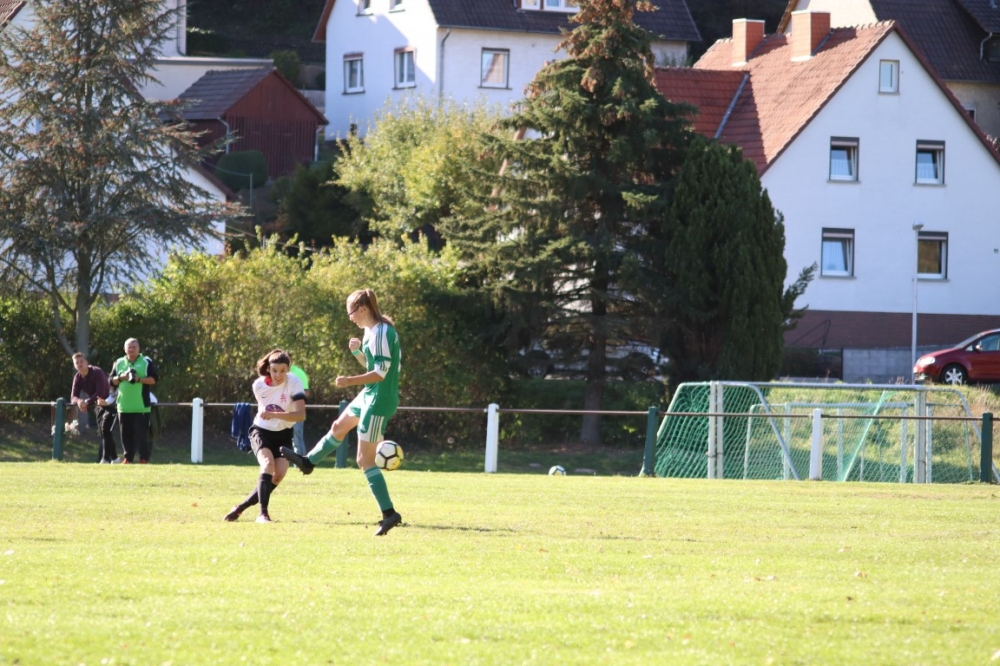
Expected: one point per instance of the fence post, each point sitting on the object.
(342, 449)
(713, 387)
(816, 455)
(60, 429)
(492, 437)
(647, 459)
(197, 430)
(986, 449)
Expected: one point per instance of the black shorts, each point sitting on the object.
(272, 440)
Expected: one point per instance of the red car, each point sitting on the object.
(974, 360)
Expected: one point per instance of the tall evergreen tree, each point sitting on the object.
(588, 157)
(724, 269)
(89, 172)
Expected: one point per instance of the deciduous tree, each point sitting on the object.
(90, 174)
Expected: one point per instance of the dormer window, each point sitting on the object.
(550, 5)
(562, 5)
(993, 50)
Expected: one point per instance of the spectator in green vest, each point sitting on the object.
(298, 431)
(133, 375)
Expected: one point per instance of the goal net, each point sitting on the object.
(750, 430)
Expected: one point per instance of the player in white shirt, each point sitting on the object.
(280, 404)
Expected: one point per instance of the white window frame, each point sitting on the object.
(505, 54)
(531, 4)
(888, 77)
(832, 239)
(848, 148)
(396, 5)
(934, 150)
(364, 7)
(932, 255)
(568, 6)
(349, 60)
(405, 66)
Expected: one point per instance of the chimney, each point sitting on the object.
(747, 34)
(809, 29)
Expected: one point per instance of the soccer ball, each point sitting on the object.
(557, 470)
(389, 455)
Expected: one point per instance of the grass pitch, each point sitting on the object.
(133, 565)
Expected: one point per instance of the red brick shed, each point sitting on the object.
(261, 109)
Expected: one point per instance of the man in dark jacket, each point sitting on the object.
(90, 392)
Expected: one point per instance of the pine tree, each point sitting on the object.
(588, 157)
(723, 269)
(89, 171)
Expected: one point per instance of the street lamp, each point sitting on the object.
(913, 349)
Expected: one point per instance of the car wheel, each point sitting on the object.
(954, 375)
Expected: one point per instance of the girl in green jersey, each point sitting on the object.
(378, 353)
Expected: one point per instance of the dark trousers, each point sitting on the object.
(106, 428)
(135, 435)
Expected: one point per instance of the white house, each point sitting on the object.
(485, 50)
(880, 173)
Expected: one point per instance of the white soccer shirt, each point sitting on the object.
(276, 399)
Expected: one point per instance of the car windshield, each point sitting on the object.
(966, 343)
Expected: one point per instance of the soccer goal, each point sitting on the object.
(862, 432)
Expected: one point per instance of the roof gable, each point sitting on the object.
(782, 96)
(670, 22)
(217, 92)
(948, 32)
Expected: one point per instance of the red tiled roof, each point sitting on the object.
(782, 96)
(711, 91)
(8, 10)
(948, 32)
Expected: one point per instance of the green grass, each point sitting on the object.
(132, 565)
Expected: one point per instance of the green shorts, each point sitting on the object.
(371, 420)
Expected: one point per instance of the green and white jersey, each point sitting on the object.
(382, 354)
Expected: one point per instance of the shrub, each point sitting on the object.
(289, 64)
(239, 170)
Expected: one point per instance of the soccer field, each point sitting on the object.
(133, 565)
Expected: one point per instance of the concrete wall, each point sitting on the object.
(880, 366)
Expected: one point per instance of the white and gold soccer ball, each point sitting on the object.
(389, 455)
(557, 470)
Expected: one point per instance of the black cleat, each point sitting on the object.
(233, 515)
(388, 523)
(304, 464)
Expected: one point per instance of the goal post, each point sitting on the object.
(865, 432)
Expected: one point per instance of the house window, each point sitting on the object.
(838, 253)
(562, 5)
(406, 74)
(843, 159)
(364, 7)
(354, 73)
(971, 110)
(494, 69)
(930, 162)
(993, 50)
(395, 5)
(530, 4)
(932, 255)
(888, 76)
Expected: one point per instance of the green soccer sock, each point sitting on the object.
(377, 484)
(323, 448)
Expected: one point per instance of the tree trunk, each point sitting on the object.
(593, 399)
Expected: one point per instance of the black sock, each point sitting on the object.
(388, 512)
(249, 501)
(264, 488)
